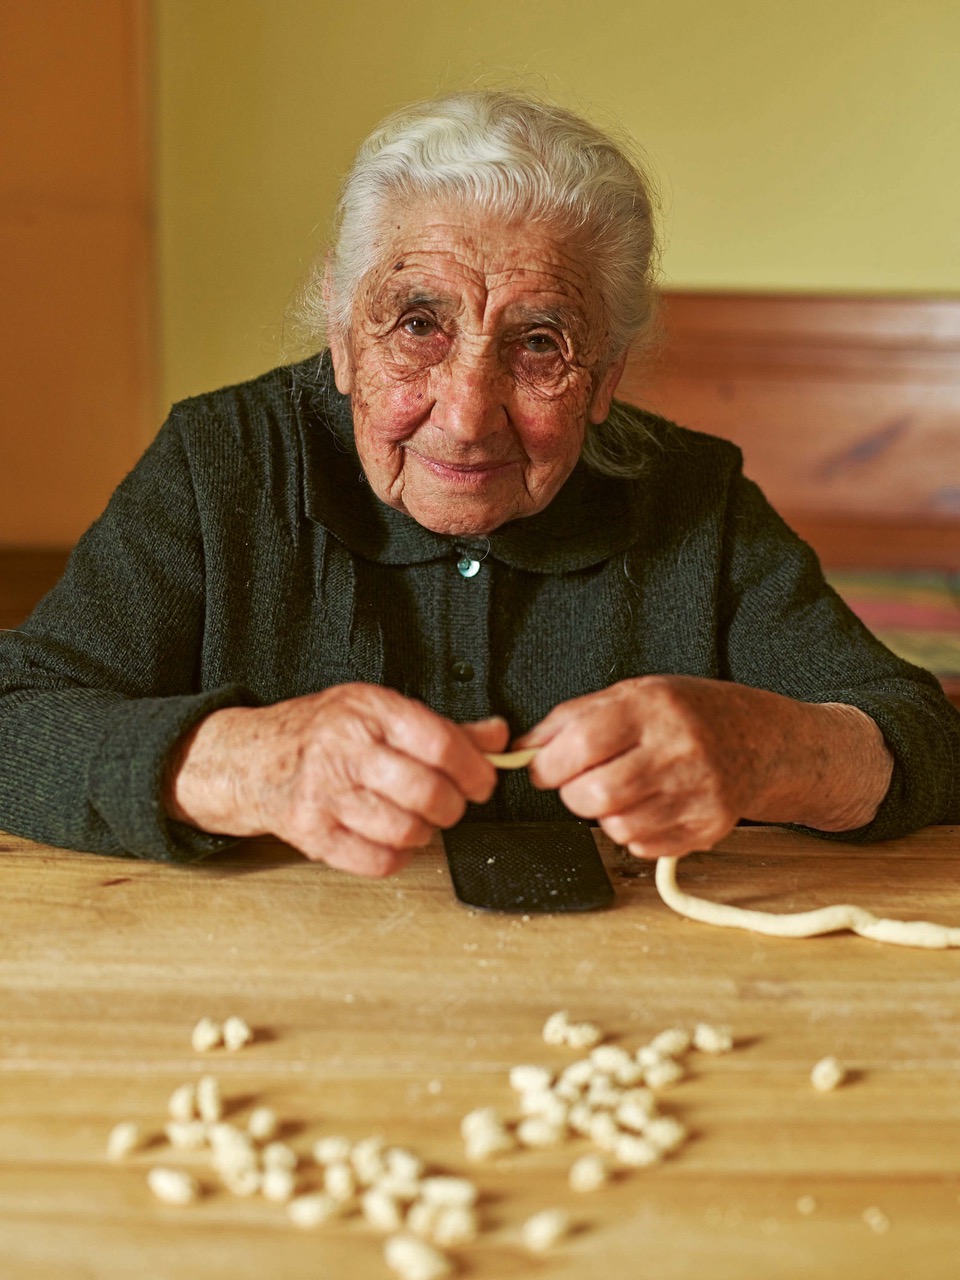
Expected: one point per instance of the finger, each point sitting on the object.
(423, 735)
(375, 818)
(672, 844)
(654, 835)
(552, 723)
(594, 736)
(618, 785)
(345, 851)
(411, 785)
(488, 735)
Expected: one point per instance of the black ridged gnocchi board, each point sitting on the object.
(527, 867)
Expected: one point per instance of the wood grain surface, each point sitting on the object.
(388, 1008)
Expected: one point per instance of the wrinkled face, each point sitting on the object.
(476, 357)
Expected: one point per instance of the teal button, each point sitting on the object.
(467, 567)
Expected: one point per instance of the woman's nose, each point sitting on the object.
(470, 402)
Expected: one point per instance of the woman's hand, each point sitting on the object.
(356, 776)
(669, 764)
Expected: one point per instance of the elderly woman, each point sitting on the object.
(323, 595)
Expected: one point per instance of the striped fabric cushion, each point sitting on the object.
(916, 613)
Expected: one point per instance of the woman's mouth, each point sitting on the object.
(467, 474)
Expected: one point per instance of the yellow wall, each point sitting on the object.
(803, 146)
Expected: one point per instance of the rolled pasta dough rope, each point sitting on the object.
(801, 924)
(511, 759)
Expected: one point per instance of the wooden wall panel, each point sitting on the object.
(847, 410)
(78, 393)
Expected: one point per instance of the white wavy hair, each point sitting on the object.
(513, 157)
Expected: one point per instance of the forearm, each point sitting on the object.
(821, 765)
(83, 770)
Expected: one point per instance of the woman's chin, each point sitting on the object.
(461, 517)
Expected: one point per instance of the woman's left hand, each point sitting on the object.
(669, 764)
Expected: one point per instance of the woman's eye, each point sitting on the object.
(540, 344)
(418, 326)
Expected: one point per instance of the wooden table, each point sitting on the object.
(388, 1008)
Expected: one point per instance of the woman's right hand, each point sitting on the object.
(356, 776)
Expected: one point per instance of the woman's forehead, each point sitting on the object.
(437, 255)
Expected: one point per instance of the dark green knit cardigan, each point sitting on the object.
(245, 560)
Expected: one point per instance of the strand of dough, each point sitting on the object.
(511, 759)
(801, 924)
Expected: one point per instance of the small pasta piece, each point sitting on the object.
(340, 1181)
(332, 1150)
(545, 1229)
(876, 1220)
(403, 1189)
(635, 1152)
(588, 1173)
(648, 1056)
(538, 1131)
(580, 1118)
(186, 1135)
(445, 1190)
(583, 1035)
(277, 1155)
(634, 1115)
(173, 1186)
(455, 1225)
(124, 1137)
(527, 1078)
(546, 1105)
(414, 1259)
(609, 1058)
(603, 1130)
(579, 1073)
(234, 1161)
(666, 1133)
(263, 1124)
(278, 1184)
(603, 1093)
(380, 1210)
(209, 1100)
(366, 1157)
(711, 1039)
(242, 1181)
(556, 1027)
(481, 1118)
(312, 1210)
(236, 1033)
(827, 1074)
(206, 1035)
(403, 1164)
(628, 1074)
(567, 1091)
(662, 1074)
(227, 1137)
(673, 1042)
(422, 1218)
(483, 1144)
(183, 1103)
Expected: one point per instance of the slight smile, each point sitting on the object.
(467, 473)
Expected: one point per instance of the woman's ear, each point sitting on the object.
(602, 396)
(339, 347)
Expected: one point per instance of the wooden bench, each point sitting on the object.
(848, 414)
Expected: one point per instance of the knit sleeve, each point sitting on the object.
(102, 679)
(783, 628)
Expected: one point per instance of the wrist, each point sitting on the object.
(204, 781)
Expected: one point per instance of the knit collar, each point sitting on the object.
(591, 519)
